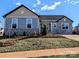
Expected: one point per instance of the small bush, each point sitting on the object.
(24, 33)
(1, 44)
(74, 32)
(14, 34)
(52, 36)
(9, 43)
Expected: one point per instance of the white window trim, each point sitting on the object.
(39, 25)
(16, 23)
(64, 29)
(31, 22)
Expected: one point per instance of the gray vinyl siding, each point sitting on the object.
(54, 30)
(60, 30)
(35, 23)
(35, 27)
(8, 23)
(22, 23)
(22, 27)
(7, 26)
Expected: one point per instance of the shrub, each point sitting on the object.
(24, 33)
(14, 34)
(9, 43)
(1, 44)
(52, 36)
(74, 32)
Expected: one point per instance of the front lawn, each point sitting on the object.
(40, 43)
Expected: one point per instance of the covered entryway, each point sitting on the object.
(43, 29)
(46, 28)
(49, 30)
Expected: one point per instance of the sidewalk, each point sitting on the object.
(73, 37)
(38, 53)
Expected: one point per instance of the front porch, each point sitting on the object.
(49, 28)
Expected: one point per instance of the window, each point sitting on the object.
(65, 26)
(54, 25)
(14, 23)
(28, 23)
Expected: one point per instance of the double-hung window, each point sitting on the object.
(65, 26)
(28, 23)
(14, 23)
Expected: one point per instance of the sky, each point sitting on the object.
(69, 8)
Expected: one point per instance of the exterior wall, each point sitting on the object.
(69, 30)
(58, 29)
(21, 27)
(8, 23)
(54, 29)
(22, 23)
(22, 16)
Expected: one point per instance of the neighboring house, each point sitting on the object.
(24, 21)
(76, 29)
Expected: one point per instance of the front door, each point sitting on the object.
(46, 28)
(43, 30)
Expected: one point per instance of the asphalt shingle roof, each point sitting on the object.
(51, 17)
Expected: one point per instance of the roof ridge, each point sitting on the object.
(51, 15)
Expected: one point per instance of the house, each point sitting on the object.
(76, 29)
(23, 21)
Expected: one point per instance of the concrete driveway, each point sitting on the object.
(74, 37)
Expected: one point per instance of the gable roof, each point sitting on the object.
(53, 17)
(18, 8)
(41, 17)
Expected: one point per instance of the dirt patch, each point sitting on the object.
(7, 43)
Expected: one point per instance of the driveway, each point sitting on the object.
(74, 37)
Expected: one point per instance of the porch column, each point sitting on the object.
(51, 27)
(39, 25)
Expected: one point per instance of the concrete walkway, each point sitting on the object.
(74, 37)
(38, 53)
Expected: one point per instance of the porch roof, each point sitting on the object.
(52, 17)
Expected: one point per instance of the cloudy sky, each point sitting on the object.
(69, 8)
